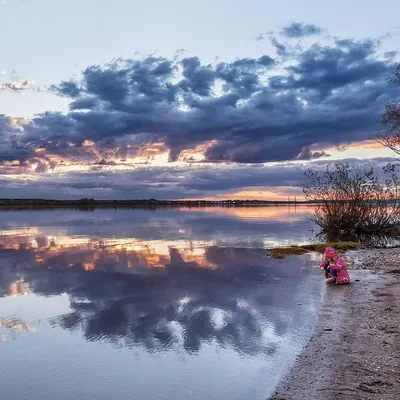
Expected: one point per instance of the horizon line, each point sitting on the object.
(150, 201)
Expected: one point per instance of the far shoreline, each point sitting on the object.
(89, 203)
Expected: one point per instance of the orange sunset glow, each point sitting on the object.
(281, 213)
(94, 254)
(92, 159)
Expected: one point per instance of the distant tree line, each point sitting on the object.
(91, 202)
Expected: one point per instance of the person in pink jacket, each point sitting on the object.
(334, 267)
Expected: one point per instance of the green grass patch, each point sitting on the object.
(282, 252)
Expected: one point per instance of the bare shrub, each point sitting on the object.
(353, 202)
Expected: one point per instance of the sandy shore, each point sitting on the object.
(354, 352)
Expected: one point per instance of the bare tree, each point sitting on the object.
(390, 119)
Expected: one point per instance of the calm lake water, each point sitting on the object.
(152, 304)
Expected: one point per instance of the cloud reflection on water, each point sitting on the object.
(157, 289)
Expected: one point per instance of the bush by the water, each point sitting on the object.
(353, 202)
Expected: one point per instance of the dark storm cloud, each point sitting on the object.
(299, 30)
(198, 79)
(11, 147)
(270, 108)
(162, 182)
(170, 182)
(66, 88)
(307, 154)
(5, 126)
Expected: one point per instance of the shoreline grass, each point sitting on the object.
(282, 252)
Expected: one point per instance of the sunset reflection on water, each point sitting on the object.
(191, 295)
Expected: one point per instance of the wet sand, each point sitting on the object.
(354, 352)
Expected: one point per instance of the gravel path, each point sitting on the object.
(355, 350)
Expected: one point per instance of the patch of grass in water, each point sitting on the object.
(282, 252)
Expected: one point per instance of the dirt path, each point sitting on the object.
(355, 350)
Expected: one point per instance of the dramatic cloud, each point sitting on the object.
(290, 105)
(10, 147)
(299, 30)
(254, 110)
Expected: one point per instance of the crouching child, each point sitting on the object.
(334, 267)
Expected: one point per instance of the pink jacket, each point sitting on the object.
(339, 265)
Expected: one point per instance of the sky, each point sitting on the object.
(189, 100)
